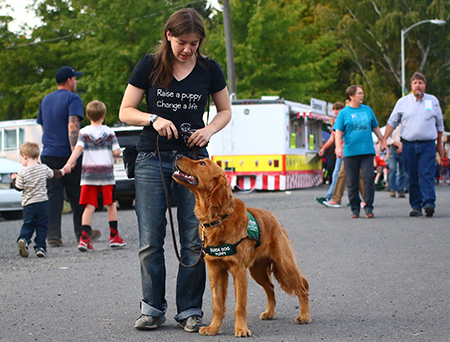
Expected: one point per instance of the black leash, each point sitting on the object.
(195, 151)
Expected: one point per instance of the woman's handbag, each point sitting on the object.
(129, 158)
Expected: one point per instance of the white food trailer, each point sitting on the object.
(271, 144)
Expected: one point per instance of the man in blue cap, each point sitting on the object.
(60, 114)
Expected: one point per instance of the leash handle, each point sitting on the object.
(167, 196)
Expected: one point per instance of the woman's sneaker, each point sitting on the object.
(147, 322)
(191, 324)
(23, 248)
(369, 213)
(355, 213)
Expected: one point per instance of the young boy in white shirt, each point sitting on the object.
(100, 146)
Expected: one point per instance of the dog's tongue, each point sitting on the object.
(185, 177)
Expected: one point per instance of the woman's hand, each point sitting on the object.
(200, 137)
(165, 128)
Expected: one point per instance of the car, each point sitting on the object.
(125, 189)
(10, 198)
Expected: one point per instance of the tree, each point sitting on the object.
(279, 50)
(102, 38)
(369, 31)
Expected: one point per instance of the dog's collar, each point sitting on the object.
(214, 223)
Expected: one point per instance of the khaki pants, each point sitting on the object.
(339, 188)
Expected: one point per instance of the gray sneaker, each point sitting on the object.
(415, 212)
(147, 322)
(191, 324)
(23, 248)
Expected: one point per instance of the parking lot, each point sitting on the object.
(381, 279)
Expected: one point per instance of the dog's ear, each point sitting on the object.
(221, 192)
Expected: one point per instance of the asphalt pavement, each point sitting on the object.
(380, 279)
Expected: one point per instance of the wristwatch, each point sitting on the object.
(153, 118)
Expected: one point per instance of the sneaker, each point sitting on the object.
(55, 243)
(84, 245)
(321, 200)
(116, 241)
(331, 204)
(95, 234)
(369, 213)
(23, 248)
(191, 324)
(40, 252)
(401, 195)
(415, 212)
(147, 322)
(429, 211)
(355, 213)
(363, 204)
(392, 193)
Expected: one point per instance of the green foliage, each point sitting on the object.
(369, 31)
(279, 50)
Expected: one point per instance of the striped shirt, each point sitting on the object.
(98, 143)
(32, 181)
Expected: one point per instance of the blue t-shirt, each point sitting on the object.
(357, 125)
(54, 112)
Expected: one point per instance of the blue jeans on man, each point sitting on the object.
(35, 219)
(420, 161)
(151, 211)
(396, 163)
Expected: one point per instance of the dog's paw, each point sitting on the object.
(242, 332)
(208, 331)
(266, 315)
(303, 319)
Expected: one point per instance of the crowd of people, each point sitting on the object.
(78, 162)
(414, 157)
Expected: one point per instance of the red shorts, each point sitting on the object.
(89, 194)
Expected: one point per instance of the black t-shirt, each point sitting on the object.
(183, 103)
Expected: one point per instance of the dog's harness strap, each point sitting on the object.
(253, 233)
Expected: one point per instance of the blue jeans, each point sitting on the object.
(337, 168)
(35, 219)
(352, 168)
(396, 159)
(151, 214)
(420, 160)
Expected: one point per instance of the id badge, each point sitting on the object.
(428, 105)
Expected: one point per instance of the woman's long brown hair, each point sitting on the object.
(180, 23)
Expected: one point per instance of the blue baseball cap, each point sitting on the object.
(64, 73)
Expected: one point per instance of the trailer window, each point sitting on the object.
(315, 134)
(14, 138)
(297, 130)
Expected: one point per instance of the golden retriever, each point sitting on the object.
(223, 222)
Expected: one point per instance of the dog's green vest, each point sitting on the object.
(253, 233)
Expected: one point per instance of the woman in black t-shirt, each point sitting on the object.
(177, 81)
